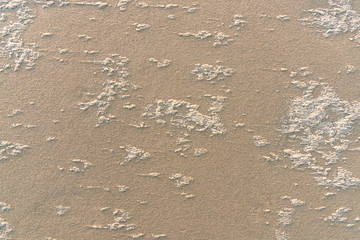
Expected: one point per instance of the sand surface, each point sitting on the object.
(179, 120)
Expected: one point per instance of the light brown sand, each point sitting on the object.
(234, 193)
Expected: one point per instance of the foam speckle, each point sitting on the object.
(62, 210)
(139, 27)
(260, 141)
(337, 216)
(134, 153)
(12, 46)
(165, 63)
(286, 215)
(342, 179)
(8, 149)
(211, 73)
(340, 17)
(188, 119)
(181, 180)
(110, 66)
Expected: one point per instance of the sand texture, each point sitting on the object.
(176, 119)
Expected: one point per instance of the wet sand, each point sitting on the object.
(229, 190)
